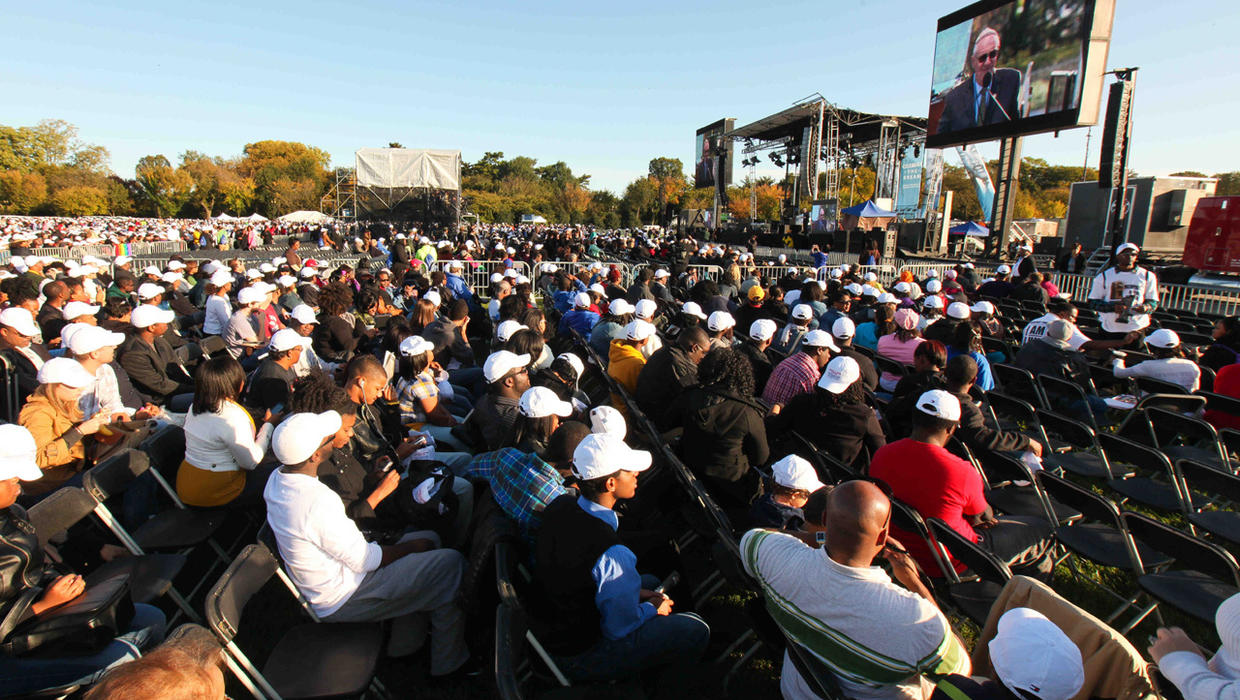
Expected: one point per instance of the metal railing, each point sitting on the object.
(104, 250)
(1215, 301)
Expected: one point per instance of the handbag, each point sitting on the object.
(84, 625)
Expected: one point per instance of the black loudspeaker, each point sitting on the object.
(1115, 135)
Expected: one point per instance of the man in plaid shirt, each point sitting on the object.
(801, 370)
(522, 483)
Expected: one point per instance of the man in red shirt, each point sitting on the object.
(938, 484)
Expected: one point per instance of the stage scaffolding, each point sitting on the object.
(417, 185)
(840, 139)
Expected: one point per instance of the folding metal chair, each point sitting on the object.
(992, 574)
(1153, 481)
(1076, 447)
(311, 660)
(506, 582)
(1201, 483)
(1199, 579)
(1018, 382)
(1186, 437)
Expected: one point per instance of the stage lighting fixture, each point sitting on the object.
(900, 153)
(916, 150)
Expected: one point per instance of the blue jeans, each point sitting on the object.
(444, 439)
(471, 378)
(19, 675)
(663, 639)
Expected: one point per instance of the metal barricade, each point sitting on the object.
(920, 270)
(10, 405)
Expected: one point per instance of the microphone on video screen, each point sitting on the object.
(986, 81)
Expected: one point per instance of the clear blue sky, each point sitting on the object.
(603, 86)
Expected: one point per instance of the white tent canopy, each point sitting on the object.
(256, 217)
(305, 217)
(225, 217)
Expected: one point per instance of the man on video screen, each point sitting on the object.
(705, 176)
(990, 97)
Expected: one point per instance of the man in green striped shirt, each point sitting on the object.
(879, 640)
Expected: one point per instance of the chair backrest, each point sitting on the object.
(1187, 428)
(727, 557)
(59, 511)
(981, 562)
(1180, 402)
(1060, 388)
(1150, 385)
(1144, 458)
(113, 475)
(244, 577)
(1219, 402)
(906, 518)
(1018, 382)
(1005, 466)
(1067, 429)
(886, 364)
(510, 629)
(830, 469)
(1093, 507)
(166, 449)
(1012, 407)
(1195, 476)
(1189, 552)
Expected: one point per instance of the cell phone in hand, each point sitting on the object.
(385, 465)
(419, 442)
(276, 409)
(669, 582)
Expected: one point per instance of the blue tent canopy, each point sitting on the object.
(969, 228)
(867, 210)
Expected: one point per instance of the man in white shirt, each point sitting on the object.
(878, 639)
(344, 577)
(1167, 364)
(1182, 662)
(1063, 309)
(1124, 295)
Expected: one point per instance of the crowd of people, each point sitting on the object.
(372, 414)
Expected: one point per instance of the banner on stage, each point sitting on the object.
(909, 194)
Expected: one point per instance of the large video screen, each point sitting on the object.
(1012, 67)
(710, 144)
(823, 215)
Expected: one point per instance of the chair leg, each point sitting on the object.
(746, 636)
(727, 677)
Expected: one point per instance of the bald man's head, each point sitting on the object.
(858, 514)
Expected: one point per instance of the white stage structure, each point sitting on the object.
(386, 180)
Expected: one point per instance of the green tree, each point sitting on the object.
(1228, 183)
(80, 201)
(164, 189)
(21, 192)
(668, 177)
(284, 172)
(639, 204)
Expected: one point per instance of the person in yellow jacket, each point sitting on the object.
(626, 360)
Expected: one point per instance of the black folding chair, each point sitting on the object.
(886, 364)
(1061, 393)
(1150, 385)
(1186, 437)
(1003, 473)
(1199, 579)
(1221, 403)
(508, 581)
(1076, 447)
(1153, 481)
(1204, 483)
(1013, 414)
(992, 574)
(1019, 383)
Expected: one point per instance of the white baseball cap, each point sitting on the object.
(77, 309)
(582, 300)
(932, 273)
(415, 345)
(1003, 270)
(853, 289)
(791, 297)
(251, 295)
(840, 374)
(122, 260)
(540, 402)
(871, 277)
(903, 287)
(500, 363)
(983, 307)
(432, 295)
(17, 454)
(172, 277)
(869, 291)
(87, 339)
(645, 308)
(286, 281)
(843, 328)
(152, 270)
(253, 273)
(802, 312)
(63, 370)
(306, 272)
(506, 329)
(302, 313)
(1163, 338)
(598, 289)
(639, 330)
(1032, 656)
(149, 291)
(950, 274)
(20, 320)
(887, 298)
(796, 473)
(221, 277)
(933, 286)
(693, 309)
(147, 315)
(720, 321)
(573, 360)
(958, 309)
(1127, 247)
(604, 454)
(175, 265)
(300, 435)
(620, 307)
(605, 419)
(286, 339)
(661, 273)
(819, 339)
(762, 329)
(937, 402)
(934, 302)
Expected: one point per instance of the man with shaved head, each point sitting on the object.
(668, 372)
(879, 640)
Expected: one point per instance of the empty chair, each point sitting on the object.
(992, 574)
(1150, 385)
(310, 660)
(1186, 437)
(1153, 481)
(1017, 493)
(1065, 396)
(1206, 482)
(1019, 383)
(1201, 576)
(1014, 414)
(1076, 447)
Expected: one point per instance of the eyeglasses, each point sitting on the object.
(986, 57)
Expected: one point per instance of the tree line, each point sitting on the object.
(47, 169)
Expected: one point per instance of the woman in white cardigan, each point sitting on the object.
(223, 449)
(218, 309)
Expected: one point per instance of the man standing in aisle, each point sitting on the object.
(1124, 295)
